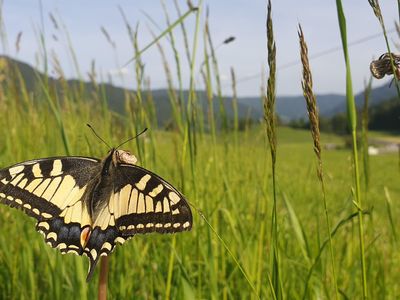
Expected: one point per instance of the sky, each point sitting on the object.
(79, 25)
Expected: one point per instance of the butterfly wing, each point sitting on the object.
(52, 190)
(141, 202)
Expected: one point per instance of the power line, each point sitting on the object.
(318, 54)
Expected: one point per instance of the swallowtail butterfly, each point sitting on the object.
(86, 206)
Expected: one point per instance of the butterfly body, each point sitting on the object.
(86, 206)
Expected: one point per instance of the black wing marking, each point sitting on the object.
(52, 190)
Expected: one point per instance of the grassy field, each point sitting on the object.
(233, 190)
(225, 174)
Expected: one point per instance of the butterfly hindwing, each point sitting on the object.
(58, 234)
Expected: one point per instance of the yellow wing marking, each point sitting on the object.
(55, 183)
(166, 205)
(156, 190)
(17, 179)
(23, 183)
(41, 188)
(33, 184)
(64, 189)
(158, 207)
(74, 196)
(57, 168)
(149, 204)
(104, 219)
(141, 205)
(124, 199)
(141, 185)
(77, 214)
(37, 172)
(174, 197)
(15, 170)
(133, 202)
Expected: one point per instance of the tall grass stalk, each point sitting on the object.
(389, 209)
(207, 77)
(184, 32)
(352, 118)
(235, 107)
(364, 133)
(172, 94)
(237, 263)
(398, 7)
(214, 61)
(162, 34)
(270, 120)
(307, 85)
(191, 105)
(178, 98)
(3, 31)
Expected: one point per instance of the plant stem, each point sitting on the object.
(102, 290)
(352, 117)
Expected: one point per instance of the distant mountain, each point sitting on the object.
(293, 107)
(115, 96)
(288, 107)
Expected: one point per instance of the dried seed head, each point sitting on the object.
(382, 66)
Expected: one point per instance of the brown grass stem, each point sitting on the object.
(103, 279)
(352, 119)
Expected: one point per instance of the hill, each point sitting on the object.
(288, 107)
(116, 96)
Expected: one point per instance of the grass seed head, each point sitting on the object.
(269, 99)
(307, 85)
(377, 10)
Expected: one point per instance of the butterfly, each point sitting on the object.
(86, 205)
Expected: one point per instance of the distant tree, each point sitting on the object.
(339, 124)
(325, 124)
(385, 116)
(299, 124)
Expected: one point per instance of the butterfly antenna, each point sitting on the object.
(132, 138)
(95, 133)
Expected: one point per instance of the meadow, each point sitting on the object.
(225, 173)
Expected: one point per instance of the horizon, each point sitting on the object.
(385, 83)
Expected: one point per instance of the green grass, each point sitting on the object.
(226, 175)
(231, 191)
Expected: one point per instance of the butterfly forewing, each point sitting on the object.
(51, 190)
(44, 187)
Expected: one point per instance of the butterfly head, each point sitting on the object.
(124, 157)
